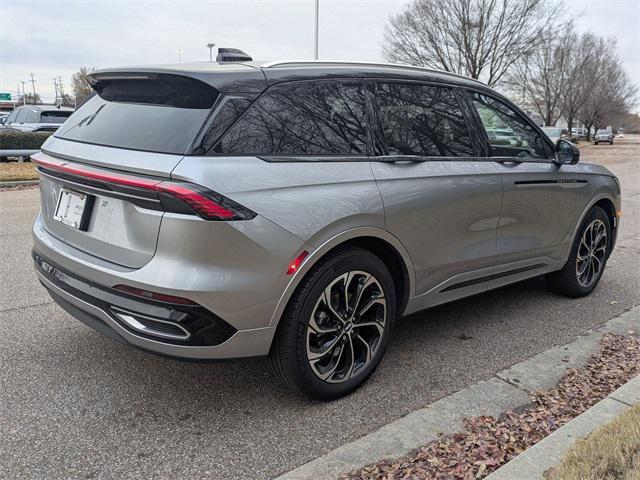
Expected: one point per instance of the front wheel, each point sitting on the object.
(588, 257)
(337, 325)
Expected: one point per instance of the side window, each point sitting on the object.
(422, 120)
(31, 116)
(302, 118)
(21, 116)
(510, 135)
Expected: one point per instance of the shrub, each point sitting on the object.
(15, 140)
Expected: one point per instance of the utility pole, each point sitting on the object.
(210, 47)
(60, 86)
(315, 37)
(33, 85)
(24, 95)
(55, 86)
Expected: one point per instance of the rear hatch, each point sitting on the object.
(105, 174)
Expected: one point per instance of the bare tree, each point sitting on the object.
(478, 38)
(539, 76)
(30, 98)
(612, 93)
(580, 76)
(80, 84)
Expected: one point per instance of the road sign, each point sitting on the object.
(5, 96)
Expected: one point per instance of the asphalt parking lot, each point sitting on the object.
(75, 404)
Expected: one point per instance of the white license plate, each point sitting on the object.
(71, 208)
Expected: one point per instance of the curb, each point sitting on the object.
(534, 461)
(18, 183)
(508, 389)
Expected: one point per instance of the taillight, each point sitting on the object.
(177, 197)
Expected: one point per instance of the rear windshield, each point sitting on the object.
(163, 113)
(54, 116)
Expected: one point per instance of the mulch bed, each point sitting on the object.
(487, 442)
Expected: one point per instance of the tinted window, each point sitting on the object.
(159, 114)
(153, 128)
(302, 118)
(510, 135)
(54, 116)
(422, 120)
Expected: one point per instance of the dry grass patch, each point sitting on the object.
(14, 171)
(612, 452)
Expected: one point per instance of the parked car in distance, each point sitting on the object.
(579, 132)
(37, 118)
(300, 209)
(554, 133)
(604, 135)
(621, 133)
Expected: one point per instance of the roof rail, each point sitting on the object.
(303, 63)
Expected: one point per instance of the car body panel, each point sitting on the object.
(446, 215)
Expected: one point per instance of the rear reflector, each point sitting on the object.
(205, 203)
(160, 297)
(295, 264)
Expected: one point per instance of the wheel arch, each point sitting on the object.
(376, 240)
(608, 205)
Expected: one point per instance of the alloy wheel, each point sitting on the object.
(592, 252)
(346, 327)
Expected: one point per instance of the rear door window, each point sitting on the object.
(302, 118)
(422, 120)
(163, 113)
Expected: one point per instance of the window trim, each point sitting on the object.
(468, 93)
(296, 158)
(377, 125)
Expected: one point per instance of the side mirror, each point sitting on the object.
(566, 152)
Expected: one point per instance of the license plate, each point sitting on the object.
(73, 209)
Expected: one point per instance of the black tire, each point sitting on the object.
(596, 143)
(566, 281)
(289, 357)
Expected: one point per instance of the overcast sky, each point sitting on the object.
(55, 37)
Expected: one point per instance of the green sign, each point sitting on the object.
(5, 96)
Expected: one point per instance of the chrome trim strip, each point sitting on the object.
(131, 320)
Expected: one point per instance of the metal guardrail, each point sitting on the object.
(18, 153)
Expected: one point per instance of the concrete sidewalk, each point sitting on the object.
(508, 389)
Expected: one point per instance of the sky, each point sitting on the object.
(52, 38)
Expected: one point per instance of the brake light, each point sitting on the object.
(205, 203)
(160, 297)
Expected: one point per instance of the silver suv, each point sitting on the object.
(36, 118)
(298, 210)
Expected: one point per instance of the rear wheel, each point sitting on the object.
(587, 259)
(337, 325)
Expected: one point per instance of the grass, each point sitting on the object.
(612, 452)
(14, 171)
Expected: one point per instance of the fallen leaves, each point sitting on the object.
(487, 442)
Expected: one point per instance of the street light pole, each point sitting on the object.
(315, 43)
(179, 55)
(210, 47)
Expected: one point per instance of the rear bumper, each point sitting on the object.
(99, 315)
(242, 289)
